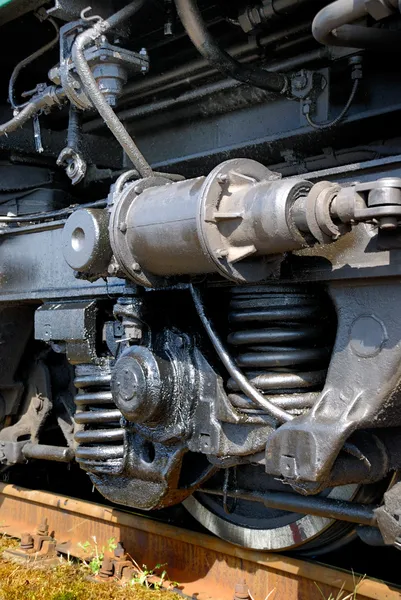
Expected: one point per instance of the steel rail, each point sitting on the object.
(204, 566)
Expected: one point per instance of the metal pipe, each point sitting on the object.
(333, 16)
(358, 36)
(197, 94)
(20, 119)
(327, 25)
(27, 61)
(96, 96)
(196, 29)
(55, 214)
(243, 383)
(341, 510)
(44, 452)
(190, 72)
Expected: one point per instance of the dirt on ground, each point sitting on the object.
(69, 580)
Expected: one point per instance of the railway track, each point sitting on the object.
(206, 567)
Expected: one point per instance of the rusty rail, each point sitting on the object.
(206, 567)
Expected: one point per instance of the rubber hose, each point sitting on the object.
(197, 31)
(96, 96)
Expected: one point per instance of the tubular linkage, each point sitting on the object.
(351, 512)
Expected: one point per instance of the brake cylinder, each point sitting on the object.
(234, 223)
(226, 223)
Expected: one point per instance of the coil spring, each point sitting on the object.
(98, 435)
(282, 339)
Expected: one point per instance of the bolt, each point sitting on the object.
(241, 591)
(119, 552)
(43, 527)
(138, 189)
(112, 269)
(143, 52)
(107, 568)
(221, 253)
(26, 541)
(76, 85)
(222, 178)
(136, 267)
(300, 82)
(388, 223)
(123, 227)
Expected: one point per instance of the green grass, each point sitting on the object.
(67, 581)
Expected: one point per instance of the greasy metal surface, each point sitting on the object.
(203, 565)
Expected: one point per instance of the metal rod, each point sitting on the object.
(44, 452)
(197, 94)
(321, 507)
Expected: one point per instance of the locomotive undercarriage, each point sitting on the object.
(203, 328)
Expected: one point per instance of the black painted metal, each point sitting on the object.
(155, 416)
(282, 339)
(99, 437)
(321, 507)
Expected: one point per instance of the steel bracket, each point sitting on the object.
(362, 388)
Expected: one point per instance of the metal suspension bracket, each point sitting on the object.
(378, 202)
(361, 390)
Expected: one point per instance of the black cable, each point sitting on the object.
(342, 113)
(196, 29)
(26, 61)
(55, 214)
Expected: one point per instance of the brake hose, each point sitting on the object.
(92, 89)
(197, 31)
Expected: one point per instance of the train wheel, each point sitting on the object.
(252, 525)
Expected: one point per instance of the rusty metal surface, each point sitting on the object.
(203, 565)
